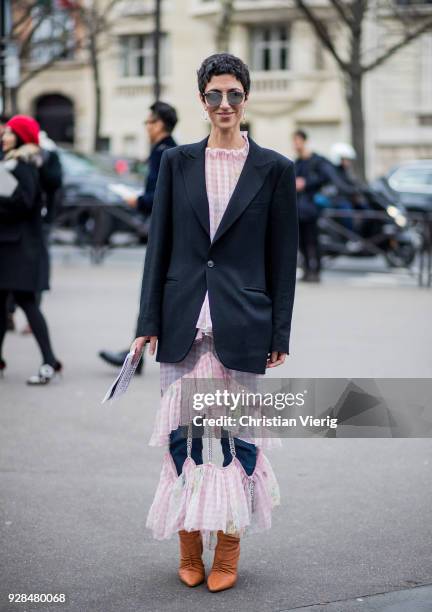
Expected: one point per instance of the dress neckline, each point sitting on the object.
(215, 151)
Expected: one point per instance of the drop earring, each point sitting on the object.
(244, 117)
(205, 115)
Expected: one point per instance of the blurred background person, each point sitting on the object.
(22, 247)
(10, 303)
(310, 177)
(347, 188)
(160, 123)
(51, 181)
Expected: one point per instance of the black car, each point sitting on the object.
(409, 184)
(92, 210)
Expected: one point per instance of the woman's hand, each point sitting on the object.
(275, 359)
(139, 343)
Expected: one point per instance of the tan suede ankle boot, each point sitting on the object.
(191, 569)
(223, 574)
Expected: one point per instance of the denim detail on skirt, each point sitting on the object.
(206, 496)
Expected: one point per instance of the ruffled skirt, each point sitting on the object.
(207, 497)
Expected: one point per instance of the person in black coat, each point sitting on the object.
(11, 306)
(22, 248)
(224, 229)
(160, 123)
(242, 249)
(51, 182)
(310, 177)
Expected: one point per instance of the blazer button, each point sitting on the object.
(210, 263)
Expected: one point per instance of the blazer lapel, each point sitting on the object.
(193, 167)
(250, 181)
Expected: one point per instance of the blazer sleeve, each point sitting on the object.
(281, 256)
(158, 253)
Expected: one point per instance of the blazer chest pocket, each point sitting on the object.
(257, 206)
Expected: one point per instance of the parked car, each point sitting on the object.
(128, 167)
(92, 210)
(409, 184)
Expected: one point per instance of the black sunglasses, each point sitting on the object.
(214, 98)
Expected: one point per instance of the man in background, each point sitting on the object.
(311, 175)
(160, 123)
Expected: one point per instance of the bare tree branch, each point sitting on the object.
(42, 67)
(26, 42)
(322, 33)
(343, 12)
(426, 25)
(224, 25)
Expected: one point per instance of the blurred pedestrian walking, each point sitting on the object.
(10, 303)
(310, 177)
(160, 123)
(51, 179)
(217, 298)
(22, 248)
(51, 182)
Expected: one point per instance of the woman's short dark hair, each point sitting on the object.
(166, 113)
(223, 63)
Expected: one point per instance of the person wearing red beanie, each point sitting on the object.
(26, 128)
(23, 252)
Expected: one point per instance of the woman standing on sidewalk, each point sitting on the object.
(23, 272)
(217, 299)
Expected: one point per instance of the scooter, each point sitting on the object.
(373, 226)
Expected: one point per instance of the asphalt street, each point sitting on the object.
(353, 532)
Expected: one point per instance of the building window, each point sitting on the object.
(137, 52)
(270, 47)
(53, 37)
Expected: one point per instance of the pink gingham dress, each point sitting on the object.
(209, 497)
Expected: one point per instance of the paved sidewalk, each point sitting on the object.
(417, 599)
(77, 478)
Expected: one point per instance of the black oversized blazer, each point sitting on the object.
(249, 268)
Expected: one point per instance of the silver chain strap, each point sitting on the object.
(210, 453)
(251, 491)
(210, 443)
(189, 440)
(231, 443)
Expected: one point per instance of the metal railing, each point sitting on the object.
(420, 222)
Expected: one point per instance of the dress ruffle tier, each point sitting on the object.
(211, 498)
